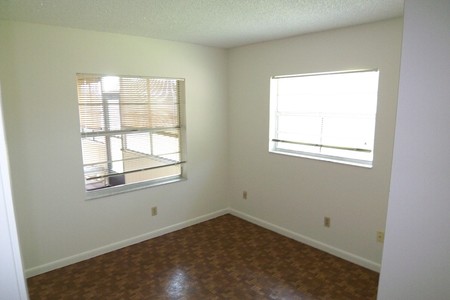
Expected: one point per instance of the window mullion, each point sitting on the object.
(130, 130)
(313, 115)
(107, 123)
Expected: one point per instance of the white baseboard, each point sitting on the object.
(115, 246)
(371, 265)
(137, 239)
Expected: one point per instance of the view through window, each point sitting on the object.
(130, 130)
(328, 116)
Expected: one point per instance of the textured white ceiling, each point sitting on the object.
(218, 23)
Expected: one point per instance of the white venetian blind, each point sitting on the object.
(130, 129)
(328, 115)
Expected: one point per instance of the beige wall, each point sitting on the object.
(39, 94)
(416, 258)
(294, 194)
(227, 101)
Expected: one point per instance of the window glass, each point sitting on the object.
(130, 130)
(328, 116)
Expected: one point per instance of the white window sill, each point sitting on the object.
(333, 159)
(115, 190)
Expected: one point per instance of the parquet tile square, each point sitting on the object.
(223, 258)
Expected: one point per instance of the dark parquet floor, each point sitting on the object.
(223, 258)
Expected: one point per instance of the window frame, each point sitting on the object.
(274, 141)
(133, 186)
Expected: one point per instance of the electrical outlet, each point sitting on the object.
(327, 221)
(244, 194)
(154, 211)
(380, 236)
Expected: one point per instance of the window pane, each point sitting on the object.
(130, 129)
(306, 128)
(166, 143)
(138, 142)
(335, 112)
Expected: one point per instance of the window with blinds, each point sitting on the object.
(326, 116)
(131, 133)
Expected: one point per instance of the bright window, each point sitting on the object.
(326, 116)
(131, 131)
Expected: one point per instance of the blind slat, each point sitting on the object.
(130, 128)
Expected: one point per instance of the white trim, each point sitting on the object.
(137, 239)
(317, 156)
(309, 241)
(115, 246)
(16, 286)
(126, 188)
(325, 73)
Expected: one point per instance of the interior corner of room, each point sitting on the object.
(341, 209)
(226, 139)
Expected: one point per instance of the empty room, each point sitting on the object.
(225, 149)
